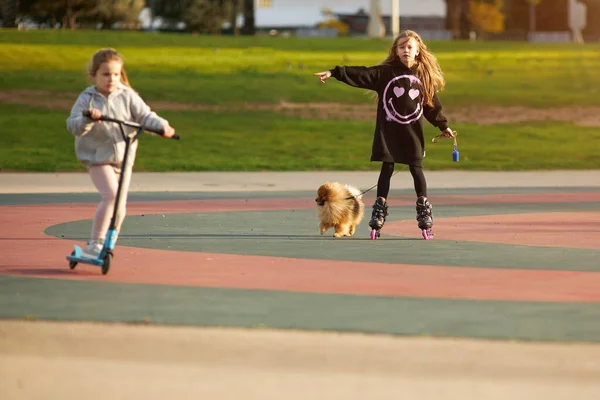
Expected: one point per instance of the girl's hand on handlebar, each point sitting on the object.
(168, 131)
(95, 114)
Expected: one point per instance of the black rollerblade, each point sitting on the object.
(378, 217)
(425, 217)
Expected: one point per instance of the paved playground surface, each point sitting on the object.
(222, 277)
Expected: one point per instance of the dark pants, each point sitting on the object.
(385, 176)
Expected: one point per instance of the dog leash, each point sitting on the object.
(372, 187)
(455, 153)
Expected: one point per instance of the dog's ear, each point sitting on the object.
(321, 195)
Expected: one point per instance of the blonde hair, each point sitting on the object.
(106, 55)
(427, 68)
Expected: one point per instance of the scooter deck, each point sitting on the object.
(79, 258)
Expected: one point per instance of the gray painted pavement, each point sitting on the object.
(79, 182)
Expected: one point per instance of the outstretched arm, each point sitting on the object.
(361, 77)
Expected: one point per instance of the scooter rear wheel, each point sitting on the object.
(72, 264)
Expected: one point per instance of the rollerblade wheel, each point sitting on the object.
(427, 234)
(374, 234)
(72, 264)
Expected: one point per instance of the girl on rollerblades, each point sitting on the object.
(406, 83)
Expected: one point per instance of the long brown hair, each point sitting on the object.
(427, 68)
(105, 55)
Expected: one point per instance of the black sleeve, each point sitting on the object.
(434, 114)
(360, 77)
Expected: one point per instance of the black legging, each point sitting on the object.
(385, 176)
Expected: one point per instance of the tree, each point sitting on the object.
(465, 19)
(74, 12)
(125, 12)
(206, 16)
(9, 13)
(67, 11)
(548, 16)
(593, 11)
(458, 18)
(170, 10)
(486, 16)
(249, 27)
(235, 8)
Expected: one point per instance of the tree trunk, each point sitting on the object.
(453, 17)
(465, 19)
(70, 19)
(234, 12)
(249, 27)
(531, 16)
(9, 13)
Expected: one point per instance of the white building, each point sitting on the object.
(309, 12)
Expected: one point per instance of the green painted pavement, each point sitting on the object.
(52, 299)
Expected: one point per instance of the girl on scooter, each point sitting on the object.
(100, 145)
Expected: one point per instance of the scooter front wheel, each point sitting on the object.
(106, 262)
(72, 264)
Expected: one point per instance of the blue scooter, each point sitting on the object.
(106, 254)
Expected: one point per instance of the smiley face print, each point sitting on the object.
(403, 99)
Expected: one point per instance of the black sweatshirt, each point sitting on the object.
(400, 110)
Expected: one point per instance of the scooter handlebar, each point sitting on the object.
(130, 124)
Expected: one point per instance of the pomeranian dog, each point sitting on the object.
(339, 206)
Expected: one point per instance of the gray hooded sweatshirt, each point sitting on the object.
(102, 143)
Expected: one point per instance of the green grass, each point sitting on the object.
(228, 70)
(37, 140)
(200, 69)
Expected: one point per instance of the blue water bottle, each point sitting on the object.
(455, 154)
